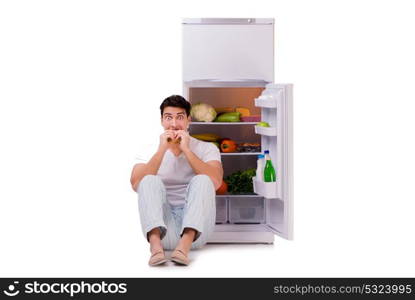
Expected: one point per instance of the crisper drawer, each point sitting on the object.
(246, 209)
(221, 210)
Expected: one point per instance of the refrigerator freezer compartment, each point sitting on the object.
(225, 49)
(268, 131)
(221, 210)
(246, 209)
(265, 189)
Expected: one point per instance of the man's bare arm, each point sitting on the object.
(150, 168)
(212, 168)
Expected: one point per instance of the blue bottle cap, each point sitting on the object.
(261, 156)
(266, 151)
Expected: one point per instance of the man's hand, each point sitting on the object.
(185, 139)
(165, 137)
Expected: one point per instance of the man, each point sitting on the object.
(176, 187)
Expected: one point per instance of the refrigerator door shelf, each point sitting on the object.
(265, 189)
(266, 101)
(268, 131)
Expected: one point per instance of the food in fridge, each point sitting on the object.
(240, 182)
(260, 168)
(223, 189)
(263, 124)
(227, 146)
(253, 118)
(244, 111)
(203, 112)
(221, 110)
(249, 147)
(269, 171)
(228, 117)
(207, 137)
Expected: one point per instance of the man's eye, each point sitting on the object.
(180, 118)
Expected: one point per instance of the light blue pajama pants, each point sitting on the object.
(198, 212)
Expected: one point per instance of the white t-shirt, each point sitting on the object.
(176, 172)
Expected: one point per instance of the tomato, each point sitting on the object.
(227, 146)
(223, 189)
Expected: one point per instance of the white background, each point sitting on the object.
(80, 86)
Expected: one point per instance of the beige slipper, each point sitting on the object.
(179, 257)
(157, 258)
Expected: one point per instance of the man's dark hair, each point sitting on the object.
(175, 101)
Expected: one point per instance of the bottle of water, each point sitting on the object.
(269, 171)
(260, 168)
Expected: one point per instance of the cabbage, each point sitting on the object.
(203, 112)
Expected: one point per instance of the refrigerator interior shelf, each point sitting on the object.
(268, 131)
(237, 196)
(240, 153)
(223, 123)
(226, 83)
(265, 101)
(266, 189)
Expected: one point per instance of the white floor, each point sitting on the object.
(102, 238)
(308, 258)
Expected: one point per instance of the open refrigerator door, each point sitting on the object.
(276, 104)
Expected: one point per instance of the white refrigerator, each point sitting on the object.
(229, 62)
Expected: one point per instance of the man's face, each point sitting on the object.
(174, 118)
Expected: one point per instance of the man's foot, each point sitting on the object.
(157, 254)
(157, 258)
(180, 257)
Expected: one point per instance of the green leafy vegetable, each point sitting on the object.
(240, 182)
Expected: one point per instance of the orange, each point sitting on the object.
(223, 189)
